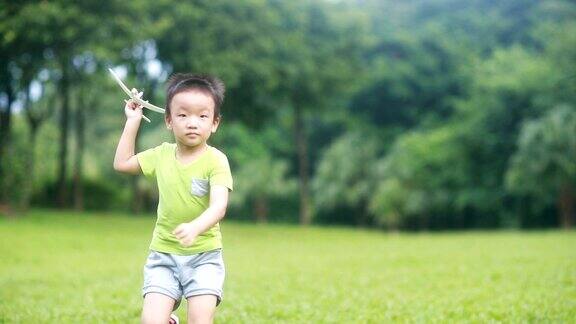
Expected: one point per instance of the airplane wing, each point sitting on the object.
(121, 84)
(147, 105)
(133, 97)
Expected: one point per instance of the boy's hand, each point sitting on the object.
(132, 109)
(186, 233)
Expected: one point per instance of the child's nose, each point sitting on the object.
(192, 122)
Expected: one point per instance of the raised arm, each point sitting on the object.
(125, 159)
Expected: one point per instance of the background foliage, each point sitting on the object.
(434, 114)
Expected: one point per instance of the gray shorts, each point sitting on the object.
(178, 276)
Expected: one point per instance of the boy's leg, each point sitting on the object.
(157, 308)
(161, 290)
(202, 281)
(201, 309)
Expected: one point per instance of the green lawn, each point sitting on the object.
(63, 268)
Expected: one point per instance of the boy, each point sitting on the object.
(194, 181)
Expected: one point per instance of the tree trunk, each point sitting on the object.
(362, 214)
(5, 126)
(566, 206)
(302, 151)
(30, 164)
(33, 125)
(79, 154)
(6, 122)
(424, 221)
(394, 224)
(261, 209)
(64, 116)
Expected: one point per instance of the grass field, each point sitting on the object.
(66, 268)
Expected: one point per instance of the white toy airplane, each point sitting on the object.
(135, 96)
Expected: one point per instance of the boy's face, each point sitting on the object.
(192, 117)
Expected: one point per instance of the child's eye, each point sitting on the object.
(204, 116)
(181, 115)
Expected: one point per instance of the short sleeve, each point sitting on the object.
(148, 160)
(221, 174)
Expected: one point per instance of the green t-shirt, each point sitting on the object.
(184, 192)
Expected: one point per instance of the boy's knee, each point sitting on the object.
(200, 318)
(201, 309)
(153, 318)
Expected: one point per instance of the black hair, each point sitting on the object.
(181, 82)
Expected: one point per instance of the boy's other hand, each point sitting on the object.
(186, 233)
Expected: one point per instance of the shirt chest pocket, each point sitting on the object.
(199, 187)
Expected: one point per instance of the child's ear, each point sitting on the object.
(215, 124)
(168, 122)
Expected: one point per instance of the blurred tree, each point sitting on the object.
(417, 76)
(230, 39)
(389, 204)
(284, 55)
(37, 111)
(258, 175)
(62, 34)
(544, 165)
(422, 177)
(15, 161)
(85, 98)
(346, 176)
(453, 73)
(320, 53)
(260, 179)
(423, 53)
(20, 59)
(140, 65)
(512, 85)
